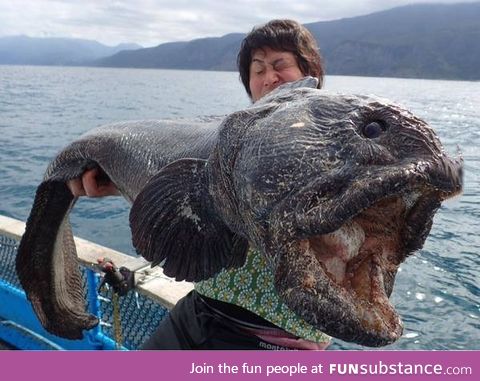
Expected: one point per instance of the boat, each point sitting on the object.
(125, 321)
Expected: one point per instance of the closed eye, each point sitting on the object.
(282, 64)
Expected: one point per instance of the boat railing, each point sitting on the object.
(140, 311)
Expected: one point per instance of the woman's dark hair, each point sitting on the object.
(281, 35)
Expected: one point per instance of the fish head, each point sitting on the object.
(336, 191)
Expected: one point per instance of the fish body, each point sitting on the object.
(128, 154)
(335, 190)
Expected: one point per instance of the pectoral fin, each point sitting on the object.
(174, 223)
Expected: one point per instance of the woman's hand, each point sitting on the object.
(92, 184)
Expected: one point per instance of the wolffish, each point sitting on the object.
(335, 190)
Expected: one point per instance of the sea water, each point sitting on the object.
(44, 108)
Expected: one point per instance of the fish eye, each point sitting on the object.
(374, 129)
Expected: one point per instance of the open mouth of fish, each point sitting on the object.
(339, 275)
(364, 250)
(360, 260)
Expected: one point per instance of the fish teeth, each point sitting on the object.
(345, 244)
(409, 199)
(352, 237)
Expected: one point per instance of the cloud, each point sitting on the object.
(151, 22)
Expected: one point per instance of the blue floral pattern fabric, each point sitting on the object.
(251, 287)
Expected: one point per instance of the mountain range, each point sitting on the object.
(415, 41)
(418, 41)
(24, 50)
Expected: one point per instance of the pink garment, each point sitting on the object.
(282, 339)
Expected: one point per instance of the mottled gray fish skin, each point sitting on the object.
(129, 154)
(335, 190)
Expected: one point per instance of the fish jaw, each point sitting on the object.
(340, 282)
(335, 262)
(326, 306)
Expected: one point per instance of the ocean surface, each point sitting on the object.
(43, 108)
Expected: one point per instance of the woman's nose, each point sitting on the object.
(271, 78)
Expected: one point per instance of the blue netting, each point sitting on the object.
(8, 252)
(139, 315)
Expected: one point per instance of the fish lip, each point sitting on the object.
(438, 179)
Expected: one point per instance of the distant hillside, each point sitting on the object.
(23, 50)
(418, 41)
(213, 53)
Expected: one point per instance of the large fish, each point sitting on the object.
(335, 190)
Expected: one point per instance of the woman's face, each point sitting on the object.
(269, 69)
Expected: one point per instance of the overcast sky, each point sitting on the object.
(151, 22)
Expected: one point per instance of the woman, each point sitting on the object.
(239, 308)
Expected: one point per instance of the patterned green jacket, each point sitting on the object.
(251, 287)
